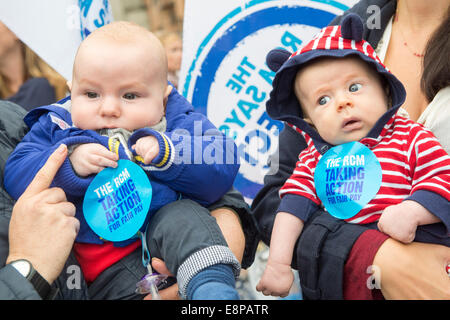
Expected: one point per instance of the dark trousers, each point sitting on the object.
(183, 234)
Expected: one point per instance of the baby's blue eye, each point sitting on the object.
(130, 96)
(323, 100)
(354, 87)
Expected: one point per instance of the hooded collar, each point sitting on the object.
(371, 140)
(335, 42)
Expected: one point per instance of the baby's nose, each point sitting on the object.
(344, 102)
(110, 108)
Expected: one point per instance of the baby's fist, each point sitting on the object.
(276, 280)
(147, 148)
(398, 222)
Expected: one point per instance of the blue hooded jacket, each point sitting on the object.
(182, 168)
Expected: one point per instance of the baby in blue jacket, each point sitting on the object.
(120, 109)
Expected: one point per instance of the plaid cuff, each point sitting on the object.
(202, 259)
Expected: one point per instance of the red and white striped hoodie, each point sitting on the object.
(414, 164)
(411, 159)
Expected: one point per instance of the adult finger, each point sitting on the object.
(160, 267)
(67, 208)
(76, 225)
(45, 175)
(53, 195)
(170, 293)
(260, 287)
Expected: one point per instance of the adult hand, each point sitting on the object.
(43, 227)
(170, 293)
(413, 271)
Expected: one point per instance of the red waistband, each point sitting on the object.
(95, 258)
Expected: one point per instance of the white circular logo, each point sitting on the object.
(229, 80)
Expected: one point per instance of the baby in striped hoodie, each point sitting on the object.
(334, 91)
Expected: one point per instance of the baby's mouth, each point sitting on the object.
(351, 124)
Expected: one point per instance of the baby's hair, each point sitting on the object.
(436, 64)
(130, 33)
(123, 31)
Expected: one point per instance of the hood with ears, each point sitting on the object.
(333, 42)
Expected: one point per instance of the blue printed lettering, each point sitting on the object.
(291, 41)
(247, 107)
(255, 94)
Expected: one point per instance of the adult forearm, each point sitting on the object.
(413, 271)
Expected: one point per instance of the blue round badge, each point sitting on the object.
(117, 201)
(347, 177)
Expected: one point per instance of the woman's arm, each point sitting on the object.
(413, 271)
(230, 225)
(401, 271)
(233, 217)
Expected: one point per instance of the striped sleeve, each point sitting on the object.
(301, 182)
(430, 164)
(431, 174)
(298, 194)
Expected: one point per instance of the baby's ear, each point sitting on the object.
(276, 57)
(168, 91)
(166, 96)
(352, 27)
(69, 85)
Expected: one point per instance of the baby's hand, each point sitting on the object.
(147, 147)
(277, 279)
(92, 158)
(399, 221)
